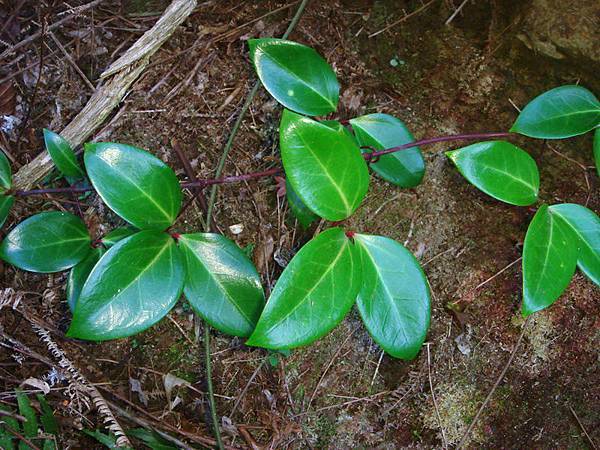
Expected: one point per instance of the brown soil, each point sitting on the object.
(457, 78)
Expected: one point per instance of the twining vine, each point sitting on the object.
(125, 282)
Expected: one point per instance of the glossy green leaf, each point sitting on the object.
(108, 440)
(299, 210)
(47, 416)
(133, 286)
(152, 440)
(597, 150)
(136, 185)
(5, 173)
(586, 227)
(380, 131)
(6, 202)
(336, 125)
(30, 425)
(117, 235)
(62, 155)
(6, 437)
(324, 166)
(47, 242)
(79, 274)
(549, 259)
(394, 301)
(559, 113)
(222, 284)
(499, 169)
(296, 75)
(313, 294)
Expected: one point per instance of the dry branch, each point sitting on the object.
(106, 97)
(75, 13)
(151, 41)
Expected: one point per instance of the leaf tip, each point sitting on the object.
(71, 332)
(88, 146)
(526, 312)
(451, 154)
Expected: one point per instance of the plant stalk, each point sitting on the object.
(210, 220)
(209, 384)
(274, 171)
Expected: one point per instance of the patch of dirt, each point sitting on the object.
(340, 392)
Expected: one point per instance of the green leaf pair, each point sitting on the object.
(559, 238)
(325, 168)
(135, 184)
(324, 279)
(138, 281)
(327, 175)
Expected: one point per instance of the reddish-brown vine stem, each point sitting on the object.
(274, 171)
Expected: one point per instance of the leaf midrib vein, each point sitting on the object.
(311, 290)
(142, 191)
(223, 290)
(509, 175)
(385, 287)
(326, 172)
(297, 77)
(143, 271)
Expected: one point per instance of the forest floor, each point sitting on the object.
(341, 392)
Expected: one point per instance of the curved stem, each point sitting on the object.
(209, 215)
(238, 122)
(233, 179)
(274, 171)
(211, 394)
(435, 140)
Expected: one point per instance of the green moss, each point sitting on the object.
(458, 403)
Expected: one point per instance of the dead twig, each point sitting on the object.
(243, 393)
(465, 437)
(151, 40)
(142, 423)
(105, 98)
(589, 438)
(435, 405)
(456, 12)
(403, 19)
(20, 437)
(331, 361)
(198, 439)
(377, 368)
(189, 171)
(13, 415)
(64, 51)
(52, 27)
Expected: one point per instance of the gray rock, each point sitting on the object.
(563, 28)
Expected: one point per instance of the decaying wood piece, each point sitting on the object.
(176, 13)
(107, 96)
